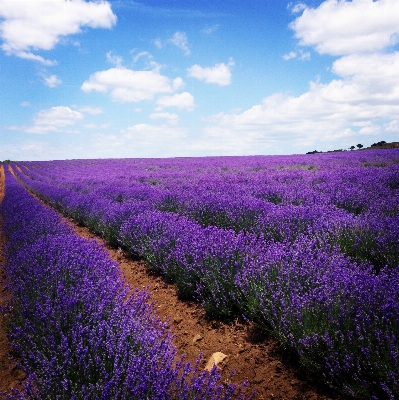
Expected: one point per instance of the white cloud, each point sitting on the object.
(26, 55)
(52, 81)
(53, 120)
(369, 78)
(26, 150)
(363, 102)
(150, 64)
(40, 24)
(90, 126)
(57, 119)
(114, 59)
(182, 101)
(179, 39)
(40, 148)
(91, 110)
(393, 126)
(177, 83)
(143, 140)
(126, 85)
(301, 55)
(219, 74)
(25, 104)
(172, 119)
(96, 126)
(304, 55)
(147, 133)
(142, 54)
(290, 55)
(370, 129)
(348, 27)
(296, 8)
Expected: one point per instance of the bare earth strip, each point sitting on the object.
(10, 375)
(251, 353)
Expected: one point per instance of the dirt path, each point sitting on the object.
(10, 374)
(251, 353)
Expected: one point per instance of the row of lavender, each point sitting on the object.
(352, 196)
(307, 247)
(79, 332)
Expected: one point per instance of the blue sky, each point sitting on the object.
(113, 79)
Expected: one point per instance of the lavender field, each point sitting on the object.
(78, 330)
(306, 246)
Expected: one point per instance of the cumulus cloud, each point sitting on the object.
(219, 74)
(348, 27)
(375, 75)
(364, 100)
(40, 24)
(393, 127)
(126, 85)
(54, 119)
(183, 101)
(60, 119)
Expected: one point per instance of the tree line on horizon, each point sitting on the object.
(359, 146)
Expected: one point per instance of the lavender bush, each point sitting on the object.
(78, 330)
(202, 262)
(341, 319)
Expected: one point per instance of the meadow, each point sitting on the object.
(305, 246)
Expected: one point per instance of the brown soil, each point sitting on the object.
(253, 354)
(10, 374)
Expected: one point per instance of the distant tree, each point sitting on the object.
(359, 146)
(379, 143)
(313, 152)
(352, 147)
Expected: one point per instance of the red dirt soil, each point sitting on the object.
(251, 352)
